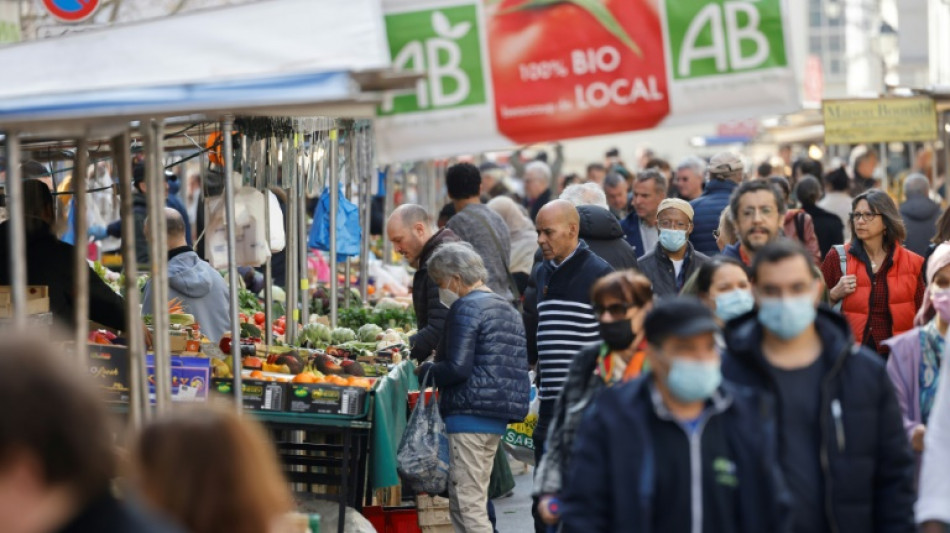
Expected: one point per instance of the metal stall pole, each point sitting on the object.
(388, 208)
(334, 204)
(80, 251)
(158, 259)
(302, 233)
(292, 280)
(364, 193)
(138, 385)
(261, 180)
(348, 192)
(17, 251)
(226, 124)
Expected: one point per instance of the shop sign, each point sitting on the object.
(879, 120)
(71, 10)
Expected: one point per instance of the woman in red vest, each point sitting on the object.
(883, 288)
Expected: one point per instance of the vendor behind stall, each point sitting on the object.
(49, 262)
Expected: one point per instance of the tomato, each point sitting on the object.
(282, 322)
(259, 317)
(558, 72)
(243, 318)
(279, 330)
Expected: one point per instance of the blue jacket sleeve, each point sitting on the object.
(894, 491)
(461, 335)
(586, 493)
(115, 229)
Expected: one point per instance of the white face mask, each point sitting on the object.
(447, 296)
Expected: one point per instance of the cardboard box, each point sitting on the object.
(37, 300)
(257, 395)
(109, 369)
(324, 399)
(190, 378)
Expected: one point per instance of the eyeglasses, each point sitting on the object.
(748, 214)
(864, 217)
(669, 224)
(615, 310)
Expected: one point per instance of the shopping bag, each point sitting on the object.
(502, 481)
(348, 230)
(422, 459)
(519, 438)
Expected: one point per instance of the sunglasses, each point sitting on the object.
(615, 310)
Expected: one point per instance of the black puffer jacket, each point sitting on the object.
(920, 215)
(604, 236)
(869, 472)
(481, 367)
(430, 313)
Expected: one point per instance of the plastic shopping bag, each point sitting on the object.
(348, 230)
(422, 459)
(519, 438)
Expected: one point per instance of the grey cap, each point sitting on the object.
(725, 163)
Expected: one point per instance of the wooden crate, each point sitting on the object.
(433, 512)
(37, 300)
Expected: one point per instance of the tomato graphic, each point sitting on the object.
(563, 69)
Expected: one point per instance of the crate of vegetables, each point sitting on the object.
(329, 395)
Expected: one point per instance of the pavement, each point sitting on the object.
(513, 514)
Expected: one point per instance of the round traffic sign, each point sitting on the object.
(71, 10)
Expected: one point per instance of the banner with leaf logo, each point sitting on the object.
(499, 73)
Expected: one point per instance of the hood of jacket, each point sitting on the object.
(920, 208)
(190, 275)
(441, 236)
(598, 224)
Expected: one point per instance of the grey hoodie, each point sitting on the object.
(201, 290)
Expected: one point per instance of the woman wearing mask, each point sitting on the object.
(481, 370)
(883, 288)
(723, 285)
(621, 301)
(916, 356)
(524, 239)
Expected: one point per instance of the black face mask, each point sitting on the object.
(618, 335)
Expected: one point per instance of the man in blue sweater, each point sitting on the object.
(725, 173)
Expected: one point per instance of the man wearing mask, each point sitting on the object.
(410, 230)
(678, 449)
(845, 456)
(674, 260)
(758, 210)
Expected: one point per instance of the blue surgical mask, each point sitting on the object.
(787, 318)
(672, 240)
(447, 297)
(692, 381)
(734, 303)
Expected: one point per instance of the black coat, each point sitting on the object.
(869, 475)
(430, 313)
(920, 215)
(658, 267)
(537, 204)
(481, 367)
(604, 236)
(828, 227)
(107, 514)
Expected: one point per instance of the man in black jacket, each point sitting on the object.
(410, 230)
(674, 260)
(828, 227)
(843, 450)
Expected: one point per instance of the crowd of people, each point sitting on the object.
(716, 349)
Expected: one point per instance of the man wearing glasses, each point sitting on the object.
(758, 212)
(674, 259)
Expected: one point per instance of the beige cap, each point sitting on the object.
(725, 163)
(676, 203)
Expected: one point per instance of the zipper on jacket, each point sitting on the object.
(824, 456)
(696, 474)
(839, 425)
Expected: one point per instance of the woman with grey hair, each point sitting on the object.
(481, 369)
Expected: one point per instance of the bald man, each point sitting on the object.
(566, 321)
(201, 289)
(410, 230)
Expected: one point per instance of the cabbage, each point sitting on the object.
(368, 332)
(341, 335)
(315, 334)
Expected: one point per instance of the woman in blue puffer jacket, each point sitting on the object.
(481, 370)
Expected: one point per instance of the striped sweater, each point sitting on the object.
(566, 321)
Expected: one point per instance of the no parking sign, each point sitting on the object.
(71, 10)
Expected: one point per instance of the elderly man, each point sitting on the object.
(616, 190)
(690, 178)
(920, 214)
(649, 189)
(537, 187)
(566, 320)
(194, 282)
(725, 173)
(674, 260)
(410, 230)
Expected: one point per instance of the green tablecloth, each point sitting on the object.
(389, 423)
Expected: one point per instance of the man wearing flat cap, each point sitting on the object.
(725, 172)
(647, 448)
(674, 260)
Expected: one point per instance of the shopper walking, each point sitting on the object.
(883, 287)
(845, 456)
(677, 450)
(725, 174)
(828, 227)
(523, 237)
(537, 187)
(649, 189)
(690, 178)
(481, 370)
(758, 210)
(621, 301)
(838, 199)
(674, 260)
(723, 285)
(920, 214)
(798, 224)
(942, 236)
(933, 504)
(617, 191)
(598, 228)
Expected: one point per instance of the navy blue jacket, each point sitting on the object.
(706, 212)
(611, 482)
(631, 231)
(481, 367)
(869, 472)
(732, 250)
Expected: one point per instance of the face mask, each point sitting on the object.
(672, 240)
(941, 301)
(787, 317)
(617, 335)
(692, 381)
(447, 297)
(734, 303)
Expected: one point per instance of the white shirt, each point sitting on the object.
(839, 203)
(677, 266)
(650, 237)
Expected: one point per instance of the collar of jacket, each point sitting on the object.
(714, 185)
(579, 253)
(441, 236)
(663, 256)
(716, 404)
(857, 250)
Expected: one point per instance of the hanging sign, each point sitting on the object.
(498, 73)
(879, 120)
(71, 10)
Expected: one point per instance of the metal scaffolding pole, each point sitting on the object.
(138, 385)
(293, 278)
(80, 251)
(17, 224)
(364, 173)
(351, 173)
(236, 362)
(158, 257)
(334, 205)
(263, 184)
(388, 208)
(302, 234)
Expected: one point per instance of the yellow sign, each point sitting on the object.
(881, 120)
